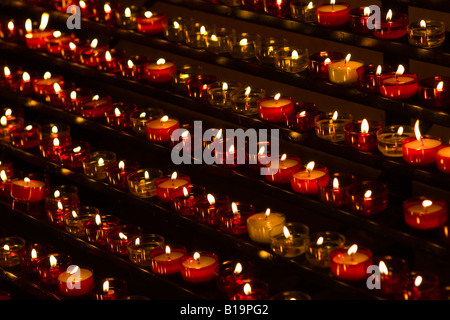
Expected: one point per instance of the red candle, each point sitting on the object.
(443, 158)
(335, 193)
(37, 39)
(251, 289)
(75, 281)
(88, 53)
(7, 166)
(118, 238)
(333, 14)
(393, 271)
(318, 63)
(183, 201)
(5, 185)
(398, 85)
(362, 135)
(51, 266)
(230, 157)
(199, 267)
(109, 289)
(206, 210)
(73, 156)
(274, 109)
(96, 108)
(73, 100)
(160, 130)
(71, 51)
(40, 85)
(117, 172)
(302, 119)
(60, 202)
(358, 20)
(134, 67)
(279, 8)
(31, 254)
(166, 186)
(21, 83)
(420, 150)
(230, 274)
(392, 27)
(286, 167)
(118, 116)
(257, 160)
(419, 285)
(232, 218)
(98, 227)
(166, 261)
(109, 60)
(55, 45)
(151, 22)
(433, 92)
(422, 213)
(309, 179)
(198, 86)
(27, 190)
(160, 71)
(350, 263)
(369, 77)
(368, 197)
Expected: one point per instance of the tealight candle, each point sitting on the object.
(96, 107)
(141, 183)
(196, 34)
(291, 242)
(37, 39)
(330, 126)
(251, 289)
(151, 22)
(183, 199)
(118, 117)
(260, 224)
(350, 263)
(443, 158)
(231, 273)
(160, 71)
(160, 130)
(51, 150)
(232, 218)
(368, 198)
(277, 8)
(198, 85)
(242, 46)
(70, 51)
(358, 20)
(75, 281)
(219, 93)
(59, 40)
(420, 150)
(390, 139)
(393, 271)
(140, 117)
(9, 251)
(167, 260)
(207, 209)
(265, 50)
(362, 135)
(25, 137)
(47, 80)
(108, 61)
(291, 59)
(133, 68)
(184, 73)
(320, 245)
(199, 267)
(344, 71)
(106, 14)
(60, 202)
(392, 26)
(109, 289)
(369, 77)
(398, 85)
(245, 101)
(333, 14)
(73, 155)
(273, 109)
(51, 266)
(28, 190)
(426, 33)
(304, 11)
(21, 83)
(94, 166)
(217, 41)
(126, 17)
(302, 119)
(11, 32)
(75, 220)
(118, 171)
(335, 193)
(434, 93)
(31, 254)
(174, 31)
(423, 213)
(282, 173)
(309, 179)
(419, 285)
(87, 54)
(165, 186)
(73, 100)
(5, 185)
(141, 247)
(118, 238)
(97, 228)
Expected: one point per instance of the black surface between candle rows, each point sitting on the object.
(404, 109)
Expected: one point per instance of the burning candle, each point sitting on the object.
(47, 81)
(319, 62)
(393, 271)
(426, 33)
(424, 214)
(89, 52)
(260, 224)
(419, 285)
(291, 242)
(183, 199)
(59, 40)
(73, 100)
(350, 263)
(335, 193)
(330, 126)
(433, 92)
(245, 101)
(344, 71)
(109, 289)
(199, 267)
(133, 67)
(31, 254)
(27, 190)
(60, 202)
(98, 227)
(160, 71)
(291, 59)
(219, 94)
(443, 158)
(74, 221)
(233, 218)
(141, 183)
(368, 197)
(252, 289)
(197, 85)
(302, 119)
(109, 61)
(73, 155)
(358, 20)
(333, 14)
(390, 139)
(217, 41)
(242, 45)
(278, 8)
(320, 245)
(95, 165)
(165, 185)
(141, 247)
(174, 31)
(304, 11)
(126, 17)
(362, 135)
(369, 77)
(206, 210)
(167, 260)
(420, 150)
(51, 266)
(118, 116)
(118, 238)
(160, 130)
(266, 49)
(231, 273)
(37, 39)
(97, 107)
(273, 109)
(9, 251)
(117, 172)
(392, 27)
(310, 178)
(140, 117)
(195, 35)
(75, 281)
(282, 173)
(151, 22)
(398, 85)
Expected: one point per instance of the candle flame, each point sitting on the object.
(77, 149)
(108, 56)
(107, 8)
(277, 96)
(262, 150)
(389, 16)
(56, 194)
(3, 121)
(310, 5)
(106, 286)
(3, 176)
(56, 142)
(400, 131)
(427, 203)
(231, 149)
(122, 236)
(146, 175)
(56, 87)
(365, 126)
(213, 37)
(100, 162)
(294, 55)
(60, 205)
(74, 270)
(243, 42)
(225, 86)
(423, 24)
(366, 11)
(73, 95)
(417, 131)
(247, 91)
(161, 61)
(368, 194)
(418, 281)
(82, 4)
(26, 77)
(379, 69)
(142, 115)
(176, 25)
(310, 166)
(332, 2)
(211, 199)
(440, 86)
(348, 57)
(168, 250)
(74, 214)
(302, 114)
(33, 254)
(121, 165)
(335, 116)
(94, 43)
(237, 269)
(29, 127)
(130, 64)
(165, 119)
(96, 97)
(174, 175)
(247, 287)
(352, 249)
(127, 12)
(283, 157)
(202, 30)
(28, 26)
(383, 268)
(148, 14)
(10, 26)
(6, 247)
(327, 61)
(8, 112)
(286, 232)
(234, 208)
(6, 71)
(400, 70)
(98, 219)
(27, 180)
(44, 21)
(267, 212)
(219, 134)
(47, 75)
(335, 183)
(117, 112)
(185, 191)
(53, 261)
(319, 241)
(196, 256)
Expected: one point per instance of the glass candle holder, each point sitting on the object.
(302, 119)
(232, 273)
(75, 281)
(94, 167)
(118, 117)
(242, 45)
(60, 202)
(72, 100)
(21, 82)
(75, 221)
(245, 100)
(333, 15)
(307, 180)
(251, 289)
(368, 198)
(207, 209)
(233, 218)
(184, 73)
(133, 67)
(174, 31)
(96, 107)
(369, 77)
(424, 213)
(40, 85)
(419, 285)
(25, 137)
(443, 158)
(219, 93)
(167, 184)
(358, 20)
(151, 22)
(141, 183)
(30, 189)
(273, 109)
(160, 130)
(266, 49)
(335, 193)
(30, 254)
(108, 61)
(362, 135)
(286, 166)
(426, 33)
(73, 156)
(343, 72)
(393, 271)
(330, 126)
(433, 92)
(160, 71)
(125, 17)
(98, 227)
(51, 266)
(9, 251)
(87, 54)
(421, 153)
(320, 245)
(304, 11)
(398, 86)
(109, 289)
(141, 247)
(390, 139)
(37, 39)
(195, 34)
(117, 173)
(350, 263)
(291, 242)
(183, 201)
(260, 224)
(167, 260)
(394, 27)
(291, 295)
(217, 41)
(276, 8)
(140, 117)
(291, 59)
(119, 237)
(199, 267)
(197, 86)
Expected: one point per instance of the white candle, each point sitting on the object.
(343, 72)
(165, 257)
(202, 262)
(30, 184)
(173, 183)
(423, 145)
(81, 275)
(419, 208)
(332, 8)
(306, 175)
(272, 103)
(158, 124)
(260, 224)
(162, 66)
(350, 259)
(288, 163)
(398, 80)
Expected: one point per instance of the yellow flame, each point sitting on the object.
(247, 91)
(148, 14)
(196, 256)
(267, 212)
(107, 8)
(56, 142)
(165, 119)
(310, 5)
(74, 270)
(335, 183)
(352, 249)
(400, 70)
(400, 131)
(146, 175)
(98, 219)
(108, 56)
(332, 2)
(121, 165)
(225, 86)
(286, 232)
(127, 12)
(26, 180)
(202, 30)
(211, 199)
(368, 194)
(106, 286)
(335, 116)
(94, 43)
(3, 121)
(327, 61)
(383, 268)
(47, 75)
(73, 95)
(418, 281)
(10, 26)
(8, 112)
(247, 286)
(283, 157)
(176, 25)
(161, 61)
(174, 175)
(379, 69)
(101, 162)
(365, 126)
(423, 24)
(28, 26)
(82, 4)
(294, 55)
(417, 130)
(60, 205)
(142, 115)
(168, 250)
(319, 241)
(33, 254)
(231, 149)
(6, 71)
(277, 96)
(185, 191)
(389, 15)
(26, 77)
(366, 11)
(234, 208)
(3, 176)
(6, 247)
(237, 269)
(56, 87)
(427, 203)
(310, 166)
(122, 236)
(440, 86)
(117, 112)
(44, 21)
(29, 127)
(74, 214)
(130, 64)
(348, 57)
(56, 194)
(53, 261)
(213, 37)
(243, 42)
